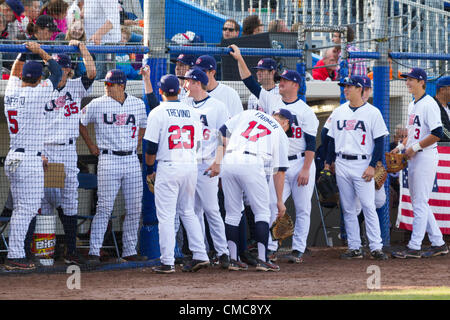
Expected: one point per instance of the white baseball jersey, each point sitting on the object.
(423, 117)
(229, 97)
(258, 133)
(213, 115)
(176, 128)
(253, 101)
(327, 123)
(354, 132)
(64, 111)
(25, 114)
(116, 125)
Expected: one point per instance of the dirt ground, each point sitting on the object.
(321, 273)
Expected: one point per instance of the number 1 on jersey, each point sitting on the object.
(255, 137)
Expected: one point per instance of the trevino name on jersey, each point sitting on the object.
(423, 117)
(63, 111)
(176, 128)
(116, 125)
(255, 132)
(354, 132)
(25, 113)
(213, 115)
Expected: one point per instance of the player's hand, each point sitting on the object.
(368, 174)
(303, 177)
(45, 163)
(93, 149)
(395, 150)
(410, 153)
(33, 46)
(213, 170)
(281, 209)
(235, 52)
(96, 39)
(145, 72)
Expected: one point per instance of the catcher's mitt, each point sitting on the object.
(327, 187)
(282, 228)
(380, 175)
(151, 183)
(395, 162)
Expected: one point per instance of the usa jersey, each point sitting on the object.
(354, 132)
(327, 123)
(63, 111)
(423, 117)
(258, 133)
(253, 102)
(229, 97)
(213, 115)
(176, 128)
(116, 125)
(25, 114)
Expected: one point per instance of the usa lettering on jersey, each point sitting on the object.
(122, 119)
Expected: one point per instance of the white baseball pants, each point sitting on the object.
(175, 191)
(422, 170)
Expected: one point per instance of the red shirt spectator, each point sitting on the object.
(323, 74)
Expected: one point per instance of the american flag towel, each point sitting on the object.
(439, 200)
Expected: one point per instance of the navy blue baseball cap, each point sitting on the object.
(169, 83)
(185, 59)
(292, 75)
(367, 82)
(288, 115)
(356, 81)
(415, 73)
(196, 74)
(266, 64)
(17, 8)
(32, 69)
(45, 21)
(64, 60)
(206, 63)
(443, 82)
(115, 76)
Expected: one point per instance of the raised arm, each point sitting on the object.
(91, 72)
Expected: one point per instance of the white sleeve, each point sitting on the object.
(13, 82)
(111, 10)
(280, 151)
(153, 131)
(232, 122)
(331, 125)
(327, 123)
(142, 115)
(433, 116)
(379, 128)
(236, 103)
(310, 123)
(87, 114)
(222, 117)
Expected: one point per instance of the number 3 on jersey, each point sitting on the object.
(175, 139)
(264, 131)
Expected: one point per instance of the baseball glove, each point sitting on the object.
(380, 175)
(151, 183)
(395, 162)
(282, 228)
(327, 186)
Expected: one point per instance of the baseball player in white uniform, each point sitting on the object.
(424, 131)
(64, 111)
(300, 177)
(250, 140)
(25, 99)
(173, 135)
(119, 121)
(213, 115)
(266, 70)
(357, 132)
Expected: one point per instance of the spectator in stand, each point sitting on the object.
(252, 25)
(295, 27)
(43, 29)
(18, 28)
(327, 73)
(76, 32)
(443, 100)
(12, 10)
(75, 12)
(278, 26)
(123, 60)
(3, 27)
(57, 9)
(230, 29)
(102, 25)
(357, 67)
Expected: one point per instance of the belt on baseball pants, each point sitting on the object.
(23, 151)
(295, 157)
(348, 157)
(118, 153)
(244, 152)
(63, 144)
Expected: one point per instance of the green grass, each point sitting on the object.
(435, 293)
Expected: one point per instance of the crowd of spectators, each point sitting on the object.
(59, 21)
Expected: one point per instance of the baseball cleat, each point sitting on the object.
(135, 258)
(295, 257)
(19, 264)
(164, 268)
(378, 255)
(224, 261)
(237, 266)
(93, 260)
(75, 258)
(352, 254)
(407, 253)
(195, 265)
(267, 266)
(248, 258)
(271, 255)
(435, 251)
